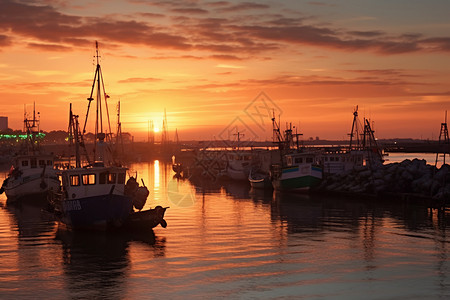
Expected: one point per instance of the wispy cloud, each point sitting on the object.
(139, 80)
(230, 66)
(231, 35)
(244, 6)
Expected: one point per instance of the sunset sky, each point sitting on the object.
(222, 66)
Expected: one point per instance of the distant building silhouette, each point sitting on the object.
(3, 123)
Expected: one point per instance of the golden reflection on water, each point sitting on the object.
(156, 178)
(227, 241)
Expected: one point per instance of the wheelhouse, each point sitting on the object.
(93, 181)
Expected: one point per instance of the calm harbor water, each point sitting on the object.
(234, 243)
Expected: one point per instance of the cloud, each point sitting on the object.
(4, 40)
(244, 6)
(190, 10)
(437, 44)
(45, 24)
(151, 15)
(229, 36)
(318, 3)
(330, 38)
(225, 57)
(49, 47)
(139, 80)
(229, 66)
(385, 72)
(366, 34)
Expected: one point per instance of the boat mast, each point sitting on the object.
(355, 131)
(31, 129)
(238, 134)
(74, 136)
(100, 135)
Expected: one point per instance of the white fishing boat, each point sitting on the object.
(238, 165)
(95, 195)
(338, 161)
(32, 174)
(238, 162)
(362, 150)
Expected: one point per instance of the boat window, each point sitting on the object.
(289, 161)
(74, 180)
(33, 163)
(112, 178)
(121, 178)
(309, 159)
(88, 179)
(41, 163)
(298, 160)
(102, 177)
(24, 163)
(49, 163)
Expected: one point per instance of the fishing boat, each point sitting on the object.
(299, 168)
(238, 162)
(361, 151)
(32, 174)
(238, 165)
(96, 195)
(301, 172)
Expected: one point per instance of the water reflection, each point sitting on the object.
(97, 264)
(234, 242)
(26, 249)
(30, 219)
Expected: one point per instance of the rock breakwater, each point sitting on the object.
(412, 177)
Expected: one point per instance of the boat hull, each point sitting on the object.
(147, 219)
(98, 212)
(239, 175)
(299, 178)
(259, 182)
(30, 186)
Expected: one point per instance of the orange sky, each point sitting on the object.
(221, 66)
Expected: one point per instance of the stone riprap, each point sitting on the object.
(407, 177)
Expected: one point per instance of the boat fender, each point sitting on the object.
(131, 186)
(163, 223)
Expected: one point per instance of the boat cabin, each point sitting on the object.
(24, 162)
(93, 181)
(296, 159)
(335, 162)
(239, 156)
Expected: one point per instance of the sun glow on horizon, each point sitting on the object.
(184, 75)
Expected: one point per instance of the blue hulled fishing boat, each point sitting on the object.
(96, 195)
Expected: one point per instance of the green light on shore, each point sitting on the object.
(39, 135)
